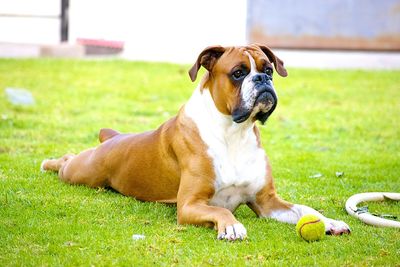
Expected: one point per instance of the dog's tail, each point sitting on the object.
(106, 134)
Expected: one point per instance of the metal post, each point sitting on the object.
(64, 20)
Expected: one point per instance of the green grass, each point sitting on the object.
(325, 122)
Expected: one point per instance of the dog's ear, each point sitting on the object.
(207, 59)
(278, 63)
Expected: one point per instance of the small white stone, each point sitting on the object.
(17, 96)
(138, 237)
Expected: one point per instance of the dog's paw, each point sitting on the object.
(333, 227)
(233, 232)
(42, 167)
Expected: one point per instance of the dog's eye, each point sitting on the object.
(238, 74)
(268, 71)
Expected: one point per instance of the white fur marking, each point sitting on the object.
(42, 164)
(297, 211)
(234, 232)
(239, 164)
(248, 92)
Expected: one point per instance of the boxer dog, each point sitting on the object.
(208, 159)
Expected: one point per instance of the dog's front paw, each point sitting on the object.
(333, 227)
(233, 232)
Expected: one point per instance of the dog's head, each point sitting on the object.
(240, 80)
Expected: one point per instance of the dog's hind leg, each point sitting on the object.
(55, 164)
(84, 168)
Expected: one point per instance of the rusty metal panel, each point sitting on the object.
(327, 24)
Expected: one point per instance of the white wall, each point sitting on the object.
(153, 30)
(160, 30)
(28, 21)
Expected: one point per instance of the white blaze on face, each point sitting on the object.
(248, 92)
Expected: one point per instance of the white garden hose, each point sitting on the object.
(364, 215)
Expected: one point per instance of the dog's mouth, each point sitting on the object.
(264, 102)
(263, 107)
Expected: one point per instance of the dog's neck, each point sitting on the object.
(202, 110)
(234, 149)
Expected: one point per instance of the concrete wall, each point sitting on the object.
(177, 30)
(30, 21)
(159, 30)
(342, 24)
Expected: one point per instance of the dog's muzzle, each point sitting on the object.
(264, 104)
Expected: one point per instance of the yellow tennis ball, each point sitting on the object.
(310, 228)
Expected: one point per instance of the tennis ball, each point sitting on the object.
(310, 228)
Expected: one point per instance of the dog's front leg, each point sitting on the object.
(193, 208)
(223, 220)
(268, 204)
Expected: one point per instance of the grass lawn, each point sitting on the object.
(325, 122)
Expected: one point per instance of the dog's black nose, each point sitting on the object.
(262, 83)
(261, 78)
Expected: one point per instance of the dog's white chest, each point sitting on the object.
(240, 170)
(239, 163)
